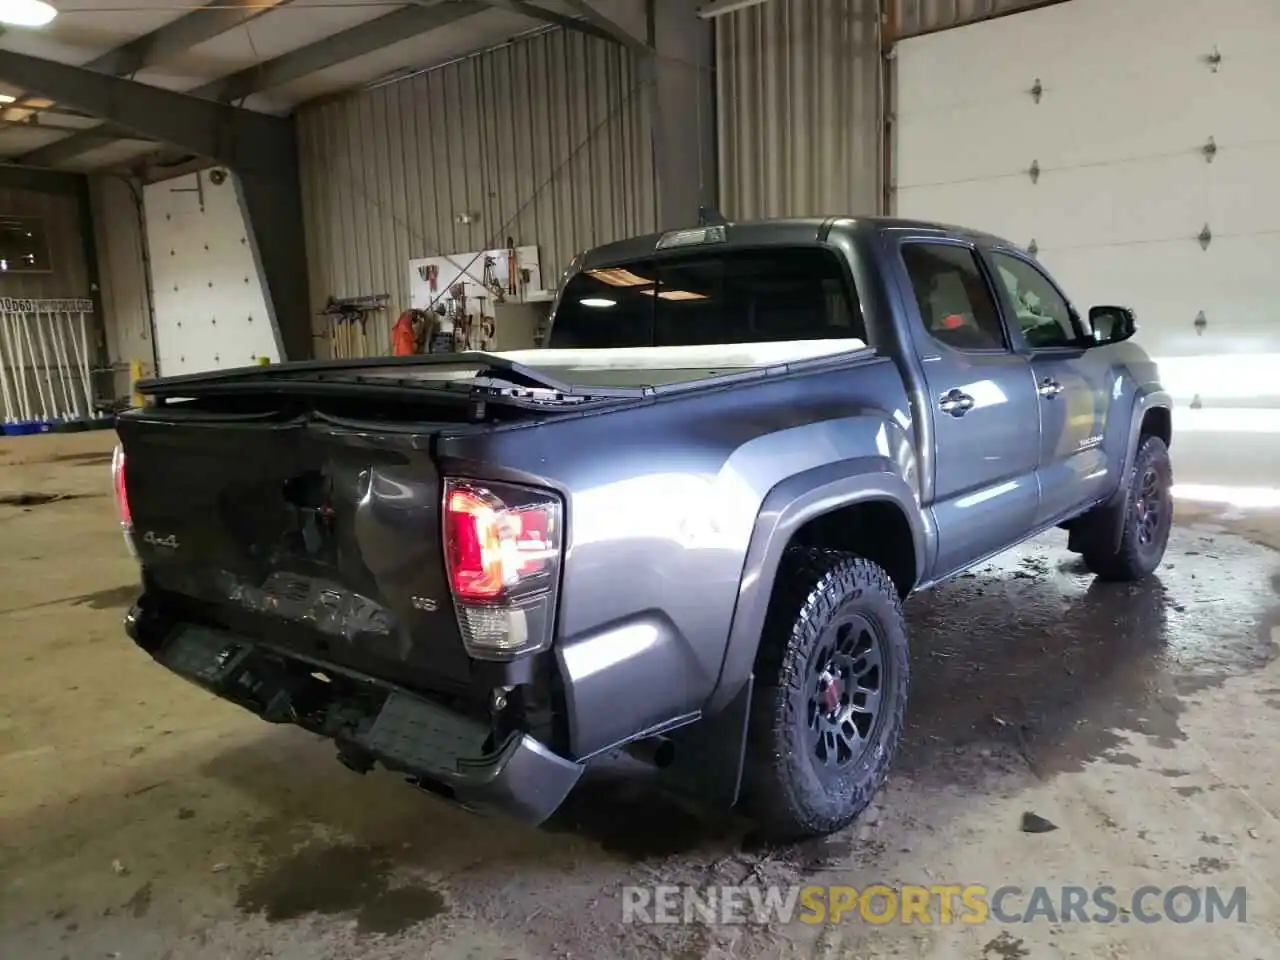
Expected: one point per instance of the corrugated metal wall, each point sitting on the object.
(797, 105)
(126, 307)
(63, 223)
(915, 17)
(547, 132)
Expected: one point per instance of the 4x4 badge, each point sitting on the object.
(169, 542)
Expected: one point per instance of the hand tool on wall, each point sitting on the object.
(490, 281)
(429, 273)
(343, 313)
(512, 267)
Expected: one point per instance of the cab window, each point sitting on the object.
(1042, 314)
(956, 304)
(734, 296)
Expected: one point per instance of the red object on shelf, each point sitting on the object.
(402, 336)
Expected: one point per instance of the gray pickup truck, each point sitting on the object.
(684, 529)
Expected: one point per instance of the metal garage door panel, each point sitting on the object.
(1078, 207)
(997, 57)
(1007, 207)
(970, 142)
(1158, 199)
(1128, 101)
(1235, 283)
(210, 304)
(1244, 189)
(1082, 126)
(1091, 111)
(1236, 355)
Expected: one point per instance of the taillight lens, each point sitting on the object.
(117, 479)
(502, 548)
(120, 485)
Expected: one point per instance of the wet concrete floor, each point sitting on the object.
(142, 818)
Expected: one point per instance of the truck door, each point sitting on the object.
(1073, 385)
(983, 404)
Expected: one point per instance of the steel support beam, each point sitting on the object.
(166, 43)
(681, 105)
(355, 42)
(261, 149)
(610, 28)
(152, 49)
(272, 207)
(238, 138)
(594, 25)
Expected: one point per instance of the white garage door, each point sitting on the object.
(1137, 144)
(210, 308)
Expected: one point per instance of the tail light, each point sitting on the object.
(118, 482)
(502, 549)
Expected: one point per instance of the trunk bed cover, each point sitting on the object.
(323, 537)
(602, 372)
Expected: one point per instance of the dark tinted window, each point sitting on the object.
(24, 246)
(744, 296)
(955, 302)
(1042, 313)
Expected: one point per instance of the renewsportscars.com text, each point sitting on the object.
(933, 904)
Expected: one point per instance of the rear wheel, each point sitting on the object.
(830, 693)
(1145, 520)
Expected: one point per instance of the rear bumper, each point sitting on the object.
(439, 749)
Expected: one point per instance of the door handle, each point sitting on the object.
(1049, 388)
(955, 402)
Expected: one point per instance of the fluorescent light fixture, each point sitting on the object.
(718, 8)
(597, 302)
(26, 13)
(5, 98)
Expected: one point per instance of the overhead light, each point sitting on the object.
(5, 98)
(718, 8)
(597, 302)
(26, 13)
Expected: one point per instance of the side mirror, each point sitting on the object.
(1111, 324)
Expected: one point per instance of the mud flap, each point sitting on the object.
(707, 766)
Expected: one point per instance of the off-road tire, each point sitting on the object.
(1134, 559)
(783, 786)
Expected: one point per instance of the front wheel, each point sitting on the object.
(1145, 522)
(830, 694)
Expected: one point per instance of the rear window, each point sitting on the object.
(740, 296)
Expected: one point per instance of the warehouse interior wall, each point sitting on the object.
(122, 267)
(57, 203)
(797, 104)
(54, 208)
(544, 140)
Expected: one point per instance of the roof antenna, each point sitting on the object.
(711, 217)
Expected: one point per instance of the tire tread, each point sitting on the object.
(812, 584)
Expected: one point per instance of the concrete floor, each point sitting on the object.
(140, 818)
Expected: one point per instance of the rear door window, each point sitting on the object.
(956, 304)
(741, 296)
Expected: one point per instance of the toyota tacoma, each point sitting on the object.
(683, 528)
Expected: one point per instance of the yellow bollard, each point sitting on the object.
(136, 373)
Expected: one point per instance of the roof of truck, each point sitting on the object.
(783, 230)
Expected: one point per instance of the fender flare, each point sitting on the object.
(787, 507)
(1147, 399)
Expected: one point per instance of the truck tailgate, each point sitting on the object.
(321, 540)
